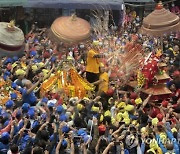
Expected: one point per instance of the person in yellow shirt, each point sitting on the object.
(92, 67)
(103, 82)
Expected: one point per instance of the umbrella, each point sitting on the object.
(11, 39)
(160, 22)
(70, 29)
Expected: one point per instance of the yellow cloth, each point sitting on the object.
(154, 121)
(92, 63)
(103, 86)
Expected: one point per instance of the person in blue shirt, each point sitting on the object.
(4, 143)
(28, 95)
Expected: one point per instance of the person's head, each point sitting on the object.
(14, 149)
(102, 68)
(28, 84)
(103, 144)
(37, 150)
(176, 48)
(20, 77)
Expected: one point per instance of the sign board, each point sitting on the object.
(9, 3)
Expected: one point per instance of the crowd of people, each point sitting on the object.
(118, 122)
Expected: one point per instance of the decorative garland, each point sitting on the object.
(70, 81)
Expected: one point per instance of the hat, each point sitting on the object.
(86, 138)
(154, 121)
(33, 53)
(6, 123)
(138, 101)
(102, 128)
(14, 65)
(107, 113)
(127, 121)
(95, 109)
(81, 132)
(119, 117)
(13, 85)
(121, 105)
(63, 117)
(110, 92)
(13, 96)
(95, 43)
(35, 124)
(60, 109)
(53, 59)
(5, 136)
(129, 107)
(20, 72)
(25, 107)
(64, 143)
(44, 100)
(44, 116)
(8, 60)
(31, 112)
(41, 64)
(160, 117)
(18, 114)
(7, 73)
(174, 130)
(164, 103)
(9, 104)
(80, 107)
(65, 129)
(34, 68)
(51, 104)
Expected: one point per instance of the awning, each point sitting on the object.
(75, 4)
(138, 1)
(10, 3)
